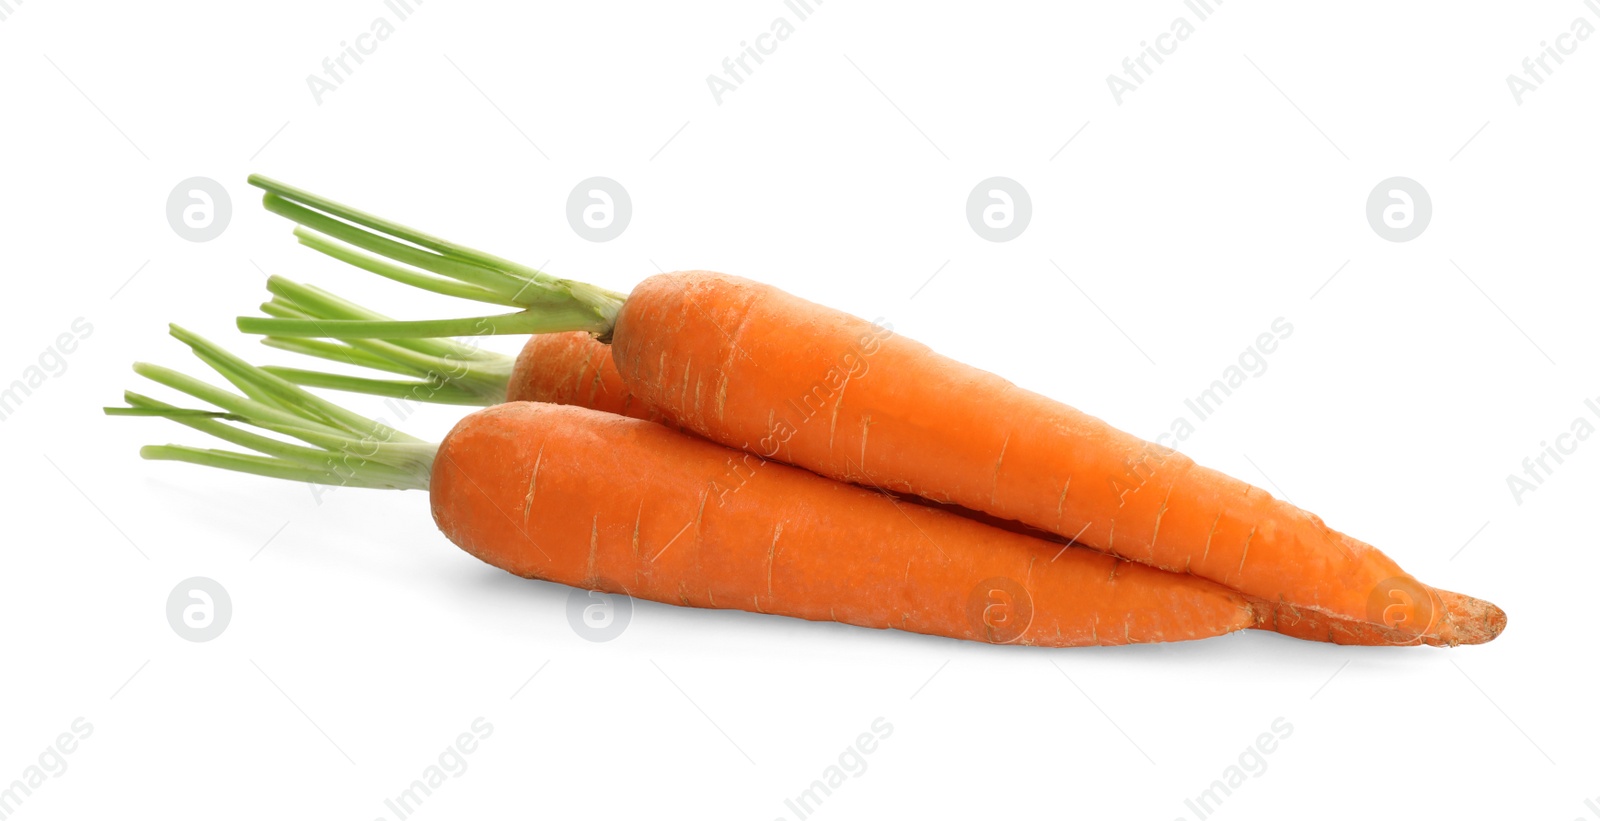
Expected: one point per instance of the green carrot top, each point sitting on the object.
(548, 304)
(340, 447)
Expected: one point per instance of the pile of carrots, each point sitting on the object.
(710, 441)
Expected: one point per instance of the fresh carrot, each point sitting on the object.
(604, 502)
(573, 368)
(749, 366)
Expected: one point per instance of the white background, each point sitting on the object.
(1170, 232)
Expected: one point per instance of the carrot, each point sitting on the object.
(915, 422)
(574, 369)
(604, 502)
(749, 366)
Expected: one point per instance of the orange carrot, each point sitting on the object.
(789, 542)
(575, 369)
(848, 399)
(752, 367)
(608, 503)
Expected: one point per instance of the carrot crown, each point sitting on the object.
(548, 304)
(340, 447)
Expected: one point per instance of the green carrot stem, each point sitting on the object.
(508, 281)
(267, 417)
(340, 349)
(531, 321)
(398, 273)
(473, 376)
(492, 373)
(481, 375)
(317, 303)
(246, 386)
(345, 212)
(345, 448)
(232, 403)
(309, 404)
(335, 351)
(422, 390)
(174, 413)
(205, 422)
(599, 297)
(369, 353)
(409, 457)
(454, 268)
(352, 474)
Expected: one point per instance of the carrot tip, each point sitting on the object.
(1470, 620)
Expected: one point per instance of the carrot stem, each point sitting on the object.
(300, 301)
(352, 475)
(397, 356)
(345, 448)
(205, 422)
(436, 390)
(448, 372)
(452, 267)
(572, 305)
(399, 273)
(335, 350)
(282, 391)
(555, 320)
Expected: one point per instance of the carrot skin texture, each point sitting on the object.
(576, 369)
(749, 366)
(572, 368)
(623, 505)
